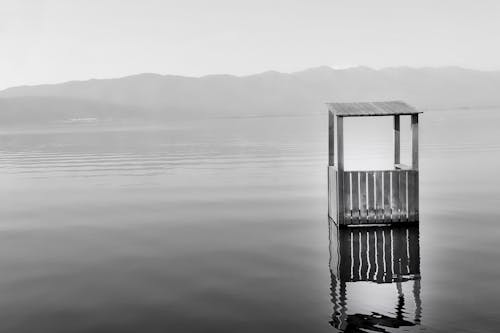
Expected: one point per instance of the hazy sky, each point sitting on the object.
(45, 41)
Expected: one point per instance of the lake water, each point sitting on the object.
(221, 226)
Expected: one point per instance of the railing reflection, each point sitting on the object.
(372, 257)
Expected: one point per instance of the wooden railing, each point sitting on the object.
(371, 197)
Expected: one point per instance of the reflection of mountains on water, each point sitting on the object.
(373, 259)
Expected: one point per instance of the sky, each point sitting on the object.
(49, 41)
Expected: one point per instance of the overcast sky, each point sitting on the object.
(46, 41)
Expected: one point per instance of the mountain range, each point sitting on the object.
(164, 97)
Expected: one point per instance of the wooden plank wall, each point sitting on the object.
(379, 197)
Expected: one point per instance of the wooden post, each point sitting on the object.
(418, 300)
(331, 139)
(414, 141)
(340, 169)
(340, 143)
(343, 306)
(397, 141)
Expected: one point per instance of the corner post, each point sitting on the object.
(340, 168)
(331, 139)
(332, 181)
(414, 141)
(417, 300)
(397, 140)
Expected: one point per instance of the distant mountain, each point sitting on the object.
(168, 96)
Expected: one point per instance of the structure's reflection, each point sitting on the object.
(375, 258)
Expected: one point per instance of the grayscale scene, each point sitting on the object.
(249, 166)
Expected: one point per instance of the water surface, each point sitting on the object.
(221, 225)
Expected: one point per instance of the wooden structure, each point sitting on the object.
(381, 255)
(378, 196)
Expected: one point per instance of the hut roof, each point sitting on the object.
(370, 109)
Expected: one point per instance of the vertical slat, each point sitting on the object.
(380, 256)
(397, 136)
(371, 196)
(399, 249)
(414, 141)
(387, 195)
(416, 189)
(378, 196)
(364, 254)
(347, 198)
(411, 196)
(405, 255)
(395, 195)
(371, 254)
(363, 212)
(414, 249)
(355, 256)
(387, 255)
(396, 250)
(402, 195)
(355, 197)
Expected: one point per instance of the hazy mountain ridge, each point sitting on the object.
(167, 96)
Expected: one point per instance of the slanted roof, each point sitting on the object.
(370, 109)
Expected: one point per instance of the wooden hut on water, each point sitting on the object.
(378, 196)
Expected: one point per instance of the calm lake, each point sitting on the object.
(221, 225)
